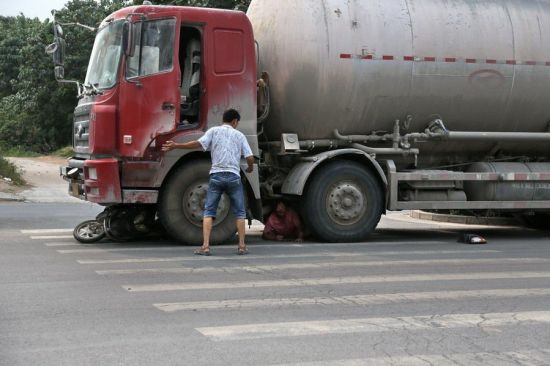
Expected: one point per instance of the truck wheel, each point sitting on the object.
(343, 202)
(182, 204)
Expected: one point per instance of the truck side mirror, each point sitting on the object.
(57, 48)
(128, 42)
(59, 72)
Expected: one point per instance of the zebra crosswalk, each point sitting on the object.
(522, 357)
(326, 291)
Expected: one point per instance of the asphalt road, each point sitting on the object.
(411, 295)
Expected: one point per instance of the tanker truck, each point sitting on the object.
(352, 108)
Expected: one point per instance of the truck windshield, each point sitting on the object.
(104, 61)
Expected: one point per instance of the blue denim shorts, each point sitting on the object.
(230, 184)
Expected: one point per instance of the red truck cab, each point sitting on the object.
(158, 73)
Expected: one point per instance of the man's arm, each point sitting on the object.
(250, 162)
(246, 151)
(272, 236)
(191, 145)
(270, 233)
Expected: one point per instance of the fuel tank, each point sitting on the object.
(358, 65)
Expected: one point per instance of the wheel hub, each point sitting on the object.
(346, 203)
(193, 204)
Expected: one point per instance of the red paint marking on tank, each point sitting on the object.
(446, 59)
(520, 176)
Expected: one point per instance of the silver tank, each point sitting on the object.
(357, 65)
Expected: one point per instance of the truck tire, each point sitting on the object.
(343, 202)
(181, 206)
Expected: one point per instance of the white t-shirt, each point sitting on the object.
(226, 145)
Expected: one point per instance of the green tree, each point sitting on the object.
(36, 111)
(222, 4)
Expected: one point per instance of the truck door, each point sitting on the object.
(150, 92)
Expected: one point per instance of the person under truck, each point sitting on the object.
(283, 224)
(226, 145)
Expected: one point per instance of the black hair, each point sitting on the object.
(231, 114)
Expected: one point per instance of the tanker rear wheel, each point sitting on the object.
(181, 206)
(343, 202)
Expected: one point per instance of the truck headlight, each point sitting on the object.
(92, 173)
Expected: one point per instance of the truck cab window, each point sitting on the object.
(190, 64)
(105, 58)
(154, 48)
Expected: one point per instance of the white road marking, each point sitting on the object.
(65, 244)
(185, 286)
(355, 300)
(522, 357)
(42, 237)
(47, 231)
(372, 325)
(190, 257)
(285, 266)
(108, 250)
(252, 247)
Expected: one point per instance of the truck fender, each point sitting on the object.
(296, 180)
(253, 179)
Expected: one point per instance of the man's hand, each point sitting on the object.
(168, 146)
(250, 162)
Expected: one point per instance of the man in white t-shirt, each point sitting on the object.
(226, 145)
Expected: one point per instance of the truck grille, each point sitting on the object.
(81, 128)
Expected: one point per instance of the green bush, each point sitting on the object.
(64, 152)
(17, 152)
(9, 170)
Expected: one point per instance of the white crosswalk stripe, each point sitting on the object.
(52, 237)
(63, 244)
(287, 255)
(47, 231)
(324, 265)
(355, 300)
(335, 281)
(371, 325)
(523, 357)
(154, 247)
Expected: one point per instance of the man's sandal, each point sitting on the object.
(203, 251)
(242, 250)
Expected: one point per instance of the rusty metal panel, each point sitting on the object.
(140, 196)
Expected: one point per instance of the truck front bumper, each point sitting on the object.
(96, 181)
